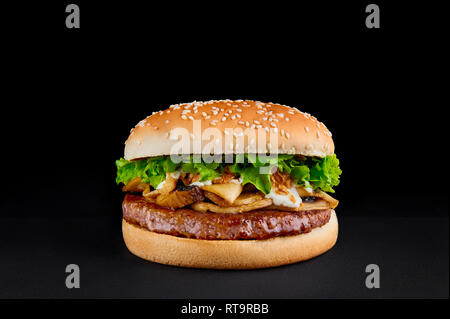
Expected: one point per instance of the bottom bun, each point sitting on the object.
(229, 254)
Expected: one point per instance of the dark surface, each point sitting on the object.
(70, 98)
(412, 254)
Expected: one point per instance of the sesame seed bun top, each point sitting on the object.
(238, 124)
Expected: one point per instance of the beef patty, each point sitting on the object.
(259, 224)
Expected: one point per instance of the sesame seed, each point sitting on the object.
(288, 135)
(280, 115)
(247, 123)
(223, 119)
(318, 134)
(287, 119)
(241, 122)
(256, 122)
(239, 110)
(184, 117)
(167, 121)
(233, 117)
(191, 118)
(273, 124)
(306, 129)
(238, 116)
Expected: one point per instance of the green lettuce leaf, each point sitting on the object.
(150, 170)
(317, 173)
(207, 171)
(324, 174)
(251, 174)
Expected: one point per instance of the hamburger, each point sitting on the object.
(229, 184)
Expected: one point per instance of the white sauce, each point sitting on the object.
(285, 200)
(237, 181)
(200, 183)
(161, 185)
(174, 175)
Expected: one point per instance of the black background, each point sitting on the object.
(70, 97)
